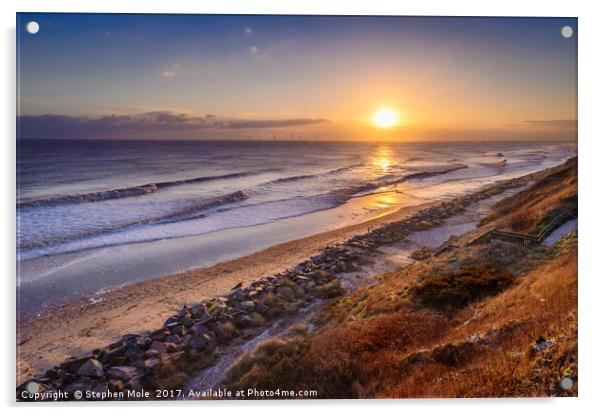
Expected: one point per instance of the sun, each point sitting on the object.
(385, 118)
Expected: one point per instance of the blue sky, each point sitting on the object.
(119, 75)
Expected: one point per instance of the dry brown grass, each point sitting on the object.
(529, 210)
(486, 350)
(481, 321)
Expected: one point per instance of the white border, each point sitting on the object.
(590, 151)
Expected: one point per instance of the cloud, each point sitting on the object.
(248, 31)
(168, 74)
(552, 123)
(253, 49)
(141, 125)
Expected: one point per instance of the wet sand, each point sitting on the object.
(78, 327)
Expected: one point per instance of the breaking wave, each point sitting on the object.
(282, 208)
(181, 213)
(311, 176)
(124, 192)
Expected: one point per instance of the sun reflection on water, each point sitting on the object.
(383, 159)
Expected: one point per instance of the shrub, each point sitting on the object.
(452, 291)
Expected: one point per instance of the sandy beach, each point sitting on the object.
(78, 327)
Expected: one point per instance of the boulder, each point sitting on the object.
(158, 334)
(134, 384)
(82, 384)
(123, 373)
(285, 291)
(172, 319)
(159, 347)
(243, 321)
(134, 352)
(74, 364)
(143, 342)
(178, 330)
(177, 356)
(222, 334)
(92, 369)
(262, 309)
(173, 338)
(199, 329)
(152, 364)
(196, 343)
(115, 385)
(197, 310)
(171, 347)
(152, 353)
(247, 305)
(186, 321)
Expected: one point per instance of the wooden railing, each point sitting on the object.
(497, 234)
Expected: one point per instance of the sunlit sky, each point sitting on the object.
(295, 77)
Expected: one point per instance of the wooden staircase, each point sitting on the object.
(508, 236)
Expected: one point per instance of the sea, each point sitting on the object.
(93, 215)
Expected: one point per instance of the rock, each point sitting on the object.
(92, 368)
(197, 310)
(123, 373)
(178, 330)
(100, 388)
(205, 318)
(222, 335)
(247, 305)
(128, 338)
(173, 338)
(134, 384)
(186, 321)
(199, 329)
(172, 319)
(134, 352)
(177, 356)
(159, 347)
(262, 309)
(209, 337)
(158, 334)
(243, 321)
(114, 355)
(66, 379)
(115, 385)
(196, 343)
(171, 347)
(74, 364)
(152, 364)
(52, 374)
(285, 291)
(143, 342)
(82, 384)
(152, 353)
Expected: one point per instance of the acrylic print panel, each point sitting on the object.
(295, 207)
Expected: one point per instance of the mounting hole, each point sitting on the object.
(566, 383)
(566, 32)
(32, 28)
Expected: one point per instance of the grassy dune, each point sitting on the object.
(496, 319)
